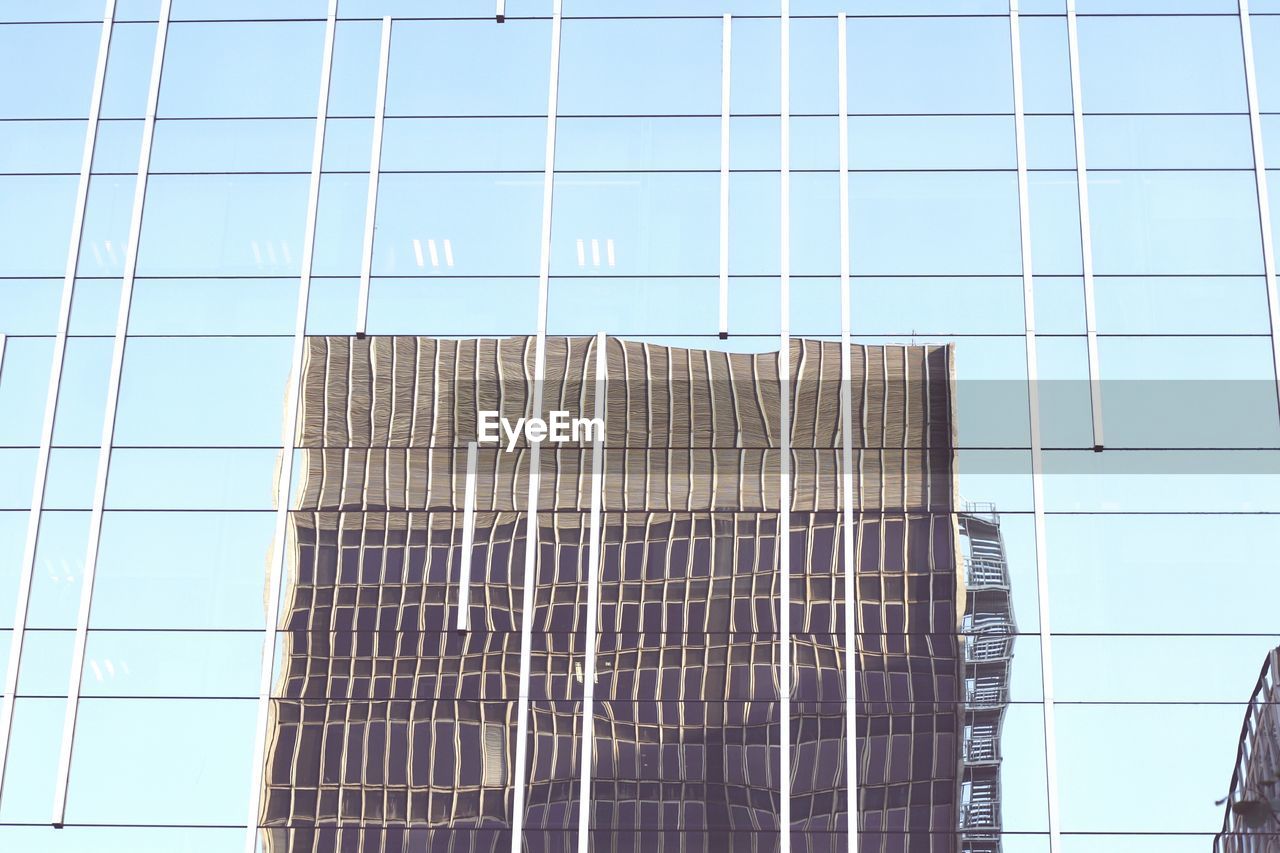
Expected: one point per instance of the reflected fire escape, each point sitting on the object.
(988, 629)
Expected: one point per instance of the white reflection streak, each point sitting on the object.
(1260, 178)
(531, 520)
(609, 252)
(109, 423)
(417, 252)
(1037, 455)
(448, 253)
(582, 256)
(375, 169)
(284, 476)
(435, 256)
(595, 252)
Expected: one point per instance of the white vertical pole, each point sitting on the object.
(375, 167)
(726, 51)
(535, 479)
(500, 14)
(593, 598)
(784, 490)
(109, 424)
(468, 540)
(846, 439)
(27, 567)
(1260, 176)
(1086, 231)
(1037, 456)
(284, 478)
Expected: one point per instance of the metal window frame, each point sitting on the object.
(27, 568)
(593, 601)
(1260, 179)
(1086, 229)
(1037, 454)
(375, 173)
(846, 441)
(535, 479)
(726, 52)
(784, 421)
(468, 540)
(284, 476)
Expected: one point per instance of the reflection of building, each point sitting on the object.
(1252, 820)
(391, 728)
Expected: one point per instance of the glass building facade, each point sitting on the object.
(247, 250)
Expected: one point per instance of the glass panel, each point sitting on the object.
(1180, 793)
(56, 63)
(1176, 223)
(24, 390)
(217, 584)
(615, 144)
(667, 67)
(467, 144)
(191, 757)
(454, 306)
(28, 307)
(41, 146)
(931, 142)
(635, 224)
(191, 479)
(443, 68)
(248, 69)
(35, 223)
(128, 80)
(1173, 305)
(1168, 142)
(200, 392)
(968, 219)
(223, 225)
(172, 664)
(245, 306)
(240, 145)
(473, 224)
(1163, 574)
(1158, 63)
(930, 65)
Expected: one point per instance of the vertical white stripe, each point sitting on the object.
(375, 168)
(51, 397)
(1260, 176)
(726, 51)
(1086, 231)
(3, 339)
(108, 427)
(468, 541)
(284, 478)
(1037, 460)
(846, 440)
(535, 480)
(784, 490)
(593, 595)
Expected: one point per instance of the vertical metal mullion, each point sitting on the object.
(1037, 455)
(593, 580)
(108, 427)
(784, 430)
(284, 478)
(1260, 177)
(375, 169)
(846, 440)
(27, 569)
(468, 540)
(726, 51)
(500, 13)
(539, 374)
(1086, 230)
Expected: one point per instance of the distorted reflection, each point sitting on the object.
(391, 725)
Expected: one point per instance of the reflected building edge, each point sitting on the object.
(391, 729)
(1252, 820)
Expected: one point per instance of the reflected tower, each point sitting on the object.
(396, 718)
